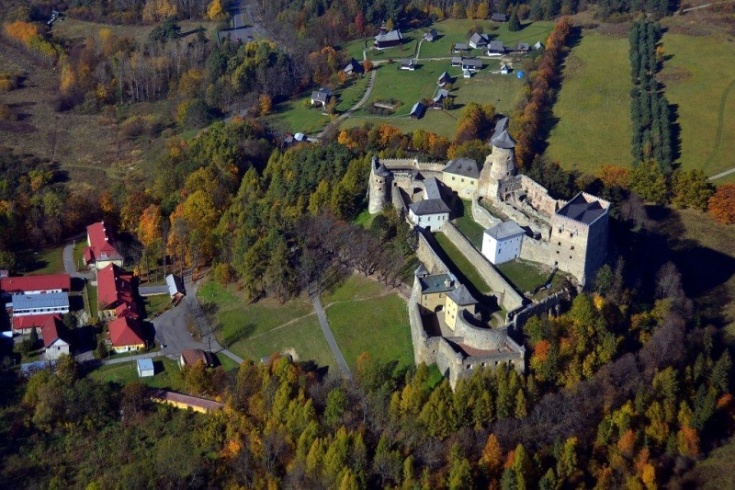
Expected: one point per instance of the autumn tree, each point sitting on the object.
(722, 204)
(692, 189)
(648, 181)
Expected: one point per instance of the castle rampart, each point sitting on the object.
(507, 296)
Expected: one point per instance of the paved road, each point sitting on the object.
(723, 174)
(172, 327)
(68, 255)
(330, 337)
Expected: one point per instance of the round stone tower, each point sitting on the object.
(378, 187)
(500, 164)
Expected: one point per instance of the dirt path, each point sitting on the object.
(698, 7)
(360, 103)
(720, 124)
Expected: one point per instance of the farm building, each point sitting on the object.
(387, 39)
(189, 357)
(417, 111)
(466, 74)
(430, 36)
(456, 61)
(439, 98)
(145, 368)
(496, 48)
(185, 402)
(175, 288)
(523, 48)
(461, 48)
(505, 69)
(444, 79)
(499, 17)
(478, 40)
(353, 68)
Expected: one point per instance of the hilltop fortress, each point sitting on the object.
(521, 220)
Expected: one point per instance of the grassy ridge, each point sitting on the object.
(593, 109)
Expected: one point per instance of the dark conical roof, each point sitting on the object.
(503, 140)
(381, 171)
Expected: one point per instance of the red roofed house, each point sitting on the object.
(50, 283)
(115, 293)
(101, 252)
(48, 326)
(126, 335)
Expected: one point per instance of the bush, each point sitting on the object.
(193, 114)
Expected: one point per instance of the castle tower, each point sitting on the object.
(378, 186)
(500, 164)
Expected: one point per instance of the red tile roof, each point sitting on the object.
(24, 322)
(114, 287)
(100, 244)
(47, 282)
(50, 330)
(124, 331)
(192, 356)
(192, 401)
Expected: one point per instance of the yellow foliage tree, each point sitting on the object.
(158, 10)
(265, 103)
(215, 11)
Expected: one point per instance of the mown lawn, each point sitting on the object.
(700, 82)
(593, 109)
(524, 275)
(352, 289)
(168, 374)
(462, 263)
(226, 363)
(241, 320)
(49, 261)
(377, 326)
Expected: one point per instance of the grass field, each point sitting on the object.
(168, 374)
(461, 262)
(263, 328)
(593, 109)
(469, 227)
(410, 87)
(378, 326)
(700, 81)
(49, 261)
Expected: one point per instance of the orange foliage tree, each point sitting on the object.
(722, 204)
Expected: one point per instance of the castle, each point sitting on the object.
(522, 221)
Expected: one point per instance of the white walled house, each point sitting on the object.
(502, 242)
(429, 213)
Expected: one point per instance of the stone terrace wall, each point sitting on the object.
(482, 216)
(507, 296)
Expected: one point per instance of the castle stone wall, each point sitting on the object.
(535, 250)
(539, 197)
(507, 296)
(398, 201)
(482, 216)
(426, 254)
(418, 335)
(479, 338)
(545, 306)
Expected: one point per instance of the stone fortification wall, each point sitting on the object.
(545, 306)
(419, 339)
(539, 227)
(482, 216)
(448, 361)
(507, 296)
(398, 201)
(412, 164)
(535, 250)
(539, 197)
(479, 338)
(426, 254)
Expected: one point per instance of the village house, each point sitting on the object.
(321, 97)
(460, 48)
(190, 357)
(523, 48)
(444, 79)
(456, 61)
(352, 68)
(439, 98)
(100, 251)
(387, 39)
(126, 335)
(472, 65)
(430, 36)
(407, 64)
(478, 41)
(54, 345)
(496, 48)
